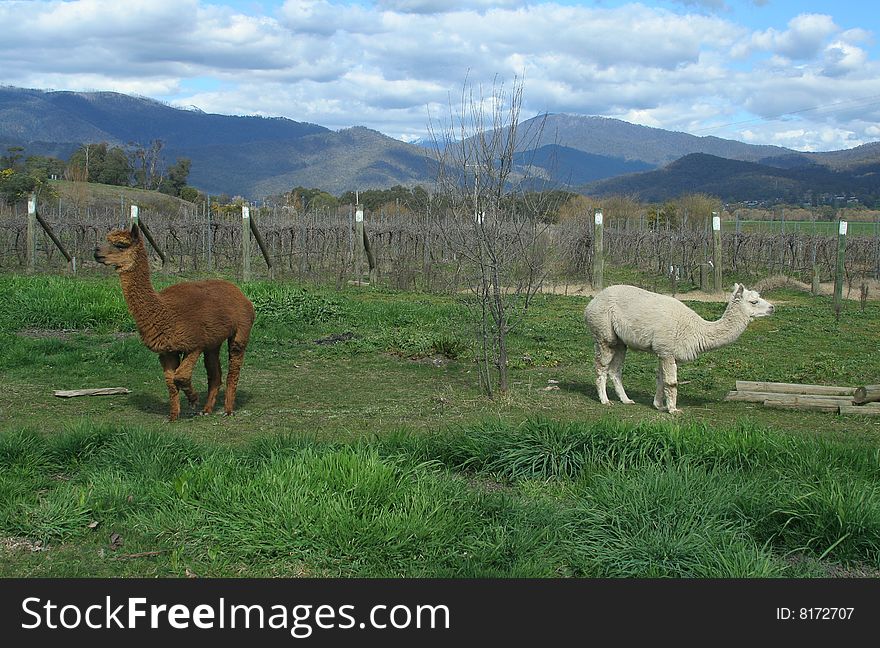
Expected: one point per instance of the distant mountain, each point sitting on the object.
(853, 158)
(257, 156)
(571, 167)
(250, 156)
(735, 180)
(614, 138)
(333, 161)
(80, 117)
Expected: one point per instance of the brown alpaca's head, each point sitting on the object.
(121, 249)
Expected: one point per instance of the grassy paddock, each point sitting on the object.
(375, 454)
(823, 228)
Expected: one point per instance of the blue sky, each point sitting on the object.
(805, 75)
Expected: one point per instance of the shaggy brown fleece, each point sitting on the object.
(182, 321)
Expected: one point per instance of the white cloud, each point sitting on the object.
(445, 6)
(386, 64)
(841, 58)
(803, 39)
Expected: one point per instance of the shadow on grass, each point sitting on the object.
(151, 404)
(588, 390)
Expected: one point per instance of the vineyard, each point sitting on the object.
(410, 250)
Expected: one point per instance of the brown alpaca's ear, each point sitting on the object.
(135, 232)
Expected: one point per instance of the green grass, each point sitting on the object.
(377, 456)
(619, 500)
(824, 228)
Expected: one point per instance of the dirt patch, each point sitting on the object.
(857, 571)
(21, 544)
(436, 360)
(46, 334)
(66, 334)
(586, 290)
(336, 338)
(834, 570)
(486, 484)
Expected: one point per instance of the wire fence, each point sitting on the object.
(410, 248)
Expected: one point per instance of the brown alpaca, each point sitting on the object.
(182, 321)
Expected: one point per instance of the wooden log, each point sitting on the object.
(866, 394)
(748, 396)
(761, 396)
(794, 388)
(870, 409)
(100, 391)
(815, 406)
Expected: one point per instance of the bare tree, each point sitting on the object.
(146, 163)
(492, 215)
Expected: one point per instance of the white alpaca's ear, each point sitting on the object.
(737, 291)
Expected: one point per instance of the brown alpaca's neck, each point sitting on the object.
(149, 313)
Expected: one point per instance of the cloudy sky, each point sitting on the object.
(798, 73)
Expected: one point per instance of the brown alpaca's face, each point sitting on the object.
(119, 250)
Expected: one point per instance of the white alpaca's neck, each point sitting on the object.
(725, 330)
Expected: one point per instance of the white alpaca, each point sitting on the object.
(622, 317)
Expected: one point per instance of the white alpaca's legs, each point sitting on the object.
(615, 370)
(658, 395)
(604, 356)
(670, 383)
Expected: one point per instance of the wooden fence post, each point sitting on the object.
(359, 243)
(841, 268)
(135, 220)
(31, 251)
(371, 259)
(34, 218)
(209, 241)
(598, 252)
(262, 245)
(245, 243)
(716, 249)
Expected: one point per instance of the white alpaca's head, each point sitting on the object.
(750, 302)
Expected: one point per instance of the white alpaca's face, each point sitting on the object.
(754, 305)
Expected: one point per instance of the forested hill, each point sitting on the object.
(736, 180)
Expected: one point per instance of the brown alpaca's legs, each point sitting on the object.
(215, 377)
(237, 346)
(170, 362)
(183, 376)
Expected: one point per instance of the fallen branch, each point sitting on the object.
(100, 391)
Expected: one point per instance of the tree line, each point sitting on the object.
(134, 165)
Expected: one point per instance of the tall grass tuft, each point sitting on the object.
(659, 522)
(54, 302)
